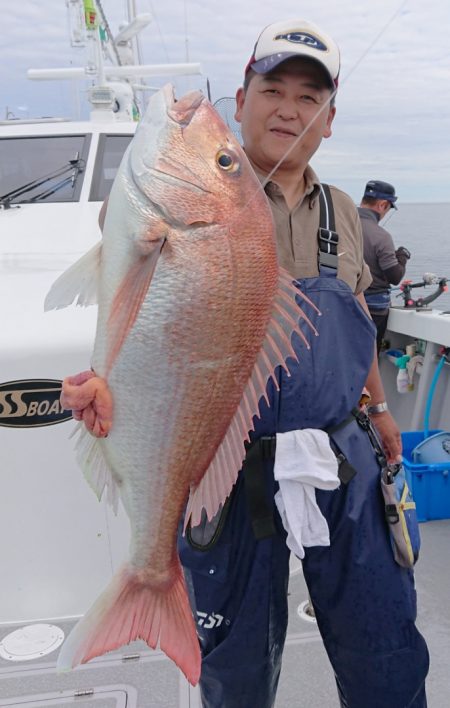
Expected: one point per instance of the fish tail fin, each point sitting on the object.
(131, 609)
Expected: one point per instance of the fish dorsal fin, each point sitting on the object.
(129, 298)
(221, 475)
(79, 281)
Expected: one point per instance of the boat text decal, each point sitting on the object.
(31, 403)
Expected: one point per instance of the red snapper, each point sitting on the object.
(194, 315)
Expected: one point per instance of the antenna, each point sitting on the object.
(111, 93)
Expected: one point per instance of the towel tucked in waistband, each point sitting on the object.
(304, 462)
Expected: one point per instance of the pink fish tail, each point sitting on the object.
(131, 609)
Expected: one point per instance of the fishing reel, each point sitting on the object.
(422, 302)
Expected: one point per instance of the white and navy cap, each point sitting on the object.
(295, 38)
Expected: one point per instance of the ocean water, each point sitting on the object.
(424, 229)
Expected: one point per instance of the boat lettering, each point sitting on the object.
(31, 403)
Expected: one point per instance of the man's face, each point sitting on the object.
(277, 107)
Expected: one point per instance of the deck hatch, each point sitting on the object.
(31, 642)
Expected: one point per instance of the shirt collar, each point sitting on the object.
(312, 185)
(311, 180)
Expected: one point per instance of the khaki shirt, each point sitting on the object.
(297, 233)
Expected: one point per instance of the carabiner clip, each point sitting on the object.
(390, 471)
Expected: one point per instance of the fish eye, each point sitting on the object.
(226, 161)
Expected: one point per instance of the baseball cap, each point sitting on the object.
(381, 190)
(295, 38)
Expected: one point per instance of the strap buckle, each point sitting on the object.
(328, 243)
(392, 515)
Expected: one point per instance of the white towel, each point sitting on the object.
(304, 461)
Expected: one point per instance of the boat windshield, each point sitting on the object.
(31, 167)
(109, 155)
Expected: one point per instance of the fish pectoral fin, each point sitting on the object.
(128, 300)
(81, 280)
(218, 481)
(151, 236)
(90, 457)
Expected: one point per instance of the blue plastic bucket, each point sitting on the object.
(434, 450)
(429, 482)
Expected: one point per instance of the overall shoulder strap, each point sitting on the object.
(328, 238)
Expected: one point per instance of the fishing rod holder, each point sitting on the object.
(422, 302)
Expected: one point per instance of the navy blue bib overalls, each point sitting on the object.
(365, 604)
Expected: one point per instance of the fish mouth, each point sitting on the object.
(150, 162)
(183, 110)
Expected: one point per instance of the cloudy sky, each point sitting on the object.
(393, 106)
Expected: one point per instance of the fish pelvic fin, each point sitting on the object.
(79, 282)
(277, 349)
(131, 609)
(90, 457)
(128, 300)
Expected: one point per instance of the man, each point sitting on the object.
(386, 264)
(235, 570)
(237, 564)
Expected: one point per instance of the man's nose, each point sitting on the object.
(287, 109)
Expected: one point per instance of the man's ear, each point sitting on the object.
(331, 113)
(240, 98)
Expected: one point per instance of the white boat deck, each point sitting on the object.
(53, 566)
(136, 677)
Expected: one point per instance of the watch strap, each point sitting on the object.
(378, 408)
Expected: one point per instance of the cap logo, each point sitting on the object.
(303, 38)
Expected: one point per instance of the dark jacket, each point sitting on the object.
(380, 255)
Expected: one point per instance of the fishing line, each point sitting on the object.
(108, 537)
(158, 26)
(108, 32)
(376, 38)
(186, 37)
(388, 217)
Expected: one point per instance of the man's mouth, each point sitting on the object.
(283, 132)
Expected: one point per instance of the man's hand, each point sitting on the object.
(90, 400)
(403, 255)
(390, 435)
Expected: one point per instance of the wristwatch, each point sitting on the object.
(378, 408)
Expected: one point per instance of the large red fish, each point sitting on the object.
(193, 317)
